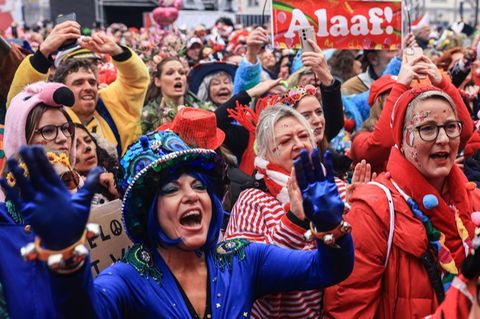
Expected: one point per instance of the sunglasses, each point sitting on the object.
(71, 179)
(50, 132)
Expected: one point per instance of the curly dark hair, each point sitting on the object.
(104, 159)
(73, 65)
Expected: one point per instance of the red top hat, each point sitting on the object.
(197, 127)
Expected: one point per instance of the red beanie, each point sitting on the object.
(400, 107)
(381, 85)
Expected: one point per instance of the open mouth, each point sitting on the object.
(178, 86)
(224, 94)
(440, 155)
(88, 97)
(191, 218)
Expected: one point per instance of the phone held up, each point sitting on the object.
(412, 53)
(305, 33)
(60, 19)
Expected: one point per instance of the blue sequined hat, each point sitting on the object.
(149, 162)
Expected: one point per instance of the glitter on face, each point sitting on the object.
(419, 118)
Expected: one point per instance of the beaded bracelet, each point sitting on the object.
(64, 261)
(330, 237)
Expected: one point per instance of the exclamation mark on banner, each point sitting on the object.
(388, 16)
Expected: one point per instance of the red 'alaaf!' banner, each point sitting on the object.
(340, 24)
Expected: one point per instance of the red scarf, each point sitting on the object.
(414, 184)
(275, 178)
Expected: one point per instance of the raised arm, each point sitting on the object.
(35, 67)
(330, 88)
(307, 270)
(236, 136)
(58, 220)
(374, 147)
(332, 262)
(123, 99)
(249, 71)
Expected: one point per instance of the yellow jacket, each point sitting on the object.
(120, 103)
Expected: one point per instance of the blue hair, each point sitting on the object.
(156, 235)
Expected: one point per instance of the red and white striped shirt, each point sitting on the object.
(260, 217)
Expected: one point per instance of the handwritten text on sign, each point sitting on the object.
(340, 24)
(113, 241)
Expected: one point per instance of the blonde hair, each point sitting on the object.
(294, 78)
(265, 130)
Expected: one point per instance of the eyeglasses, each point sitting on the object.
(50, 132)
(429, 132)
(71, 179)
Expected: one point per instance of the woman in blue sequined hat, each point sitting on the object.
(172, 213)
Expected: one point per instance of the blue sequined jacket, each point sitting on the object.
(142, 286)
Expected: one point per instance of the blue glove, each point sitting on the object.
(321, 202)
(56, 216)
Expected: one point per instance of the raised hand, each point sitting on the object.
(318, 63)
(361, 174)
(408, 42)
(321, 202)
(100, 42)
(431, 70)
(62, 32)
(263, 87)
(255, 41)
(56, 216)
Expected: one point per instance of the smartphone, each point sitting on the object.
(66, 17)
(14, 32)
(60, 19)
(305, 33)
(412, 53)
(5, 47)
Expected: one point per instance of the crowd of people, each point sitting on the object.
(255, 182)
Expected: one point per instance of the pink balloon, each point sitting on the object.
(165, 16)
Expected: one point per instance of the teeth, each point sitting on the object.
(191, 218)
(191, 213)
